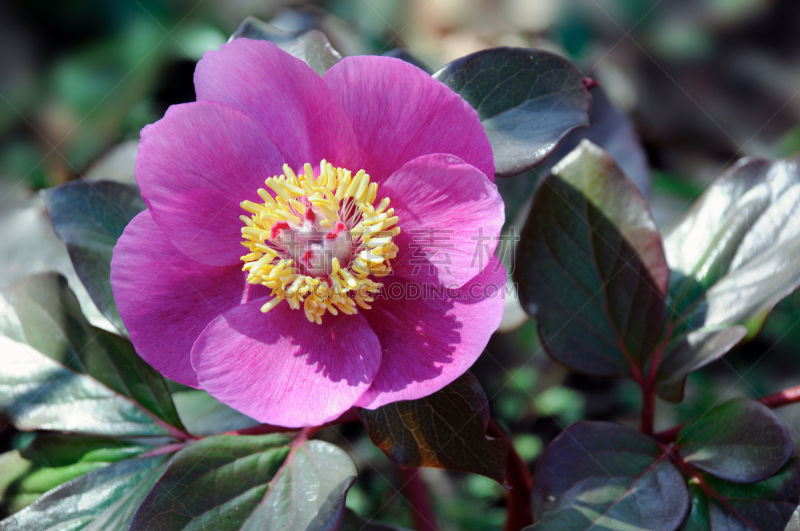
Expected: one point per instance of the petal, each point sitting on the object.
(430, 339)
(166, 299)
(194, 167)
(283, 94)
(450, 216)
(399, 113)
(281, 369)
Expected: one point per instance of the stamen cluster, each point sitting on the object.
(316, 241)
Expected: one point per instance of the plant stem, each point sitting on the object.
(416, 493)
(518, 478)
(648, 410)
(784, 398)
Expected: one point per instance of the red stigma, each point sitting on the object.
(310, 215)
(337, 229)
(277, 228)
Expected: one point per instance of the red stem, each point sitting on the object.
(648, 410)
(784, 398)
(416, 493)
(518, 478)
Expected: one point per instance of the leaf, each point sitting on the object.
(60, 373)
(690, 352)
(732, 260)
(309, 493)
(310, 46)
(528, 100)
(250, 482)
(590, 267)
(30, 222)
(444, 430)
(740, 441)
(598, 475)
(90, 217)
(103, 500)
(202, 414)
(613, 131)
(52, 460)
(718, 505)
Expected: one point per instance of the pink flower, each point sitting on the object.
(331, 310)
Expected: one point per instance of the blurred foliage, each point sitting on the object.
(705, 81)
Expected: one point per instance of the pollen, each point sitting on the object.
(319, 242)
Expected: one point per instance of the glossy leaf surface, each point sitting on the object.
(103, 500)
(528, 100)
(311, 46)
(591, 268)
(250, 482)
(90, 217)
(597, 475)
(723, 506)
(444, 430)
(60, 373)
(741, 441)
(733, 258)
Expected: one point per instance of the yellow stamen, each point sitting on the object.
(299, 211)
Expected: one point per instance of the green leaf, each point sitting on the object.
(732, 261)
(444, 430)
(528, 100)
(718, 505)
(598, 475)
(103, 500)
(590, 267)
(52, 460)
(741, 441)
(90, 217)
(310, 46)
(250, 482)
(202, 414)
(613, 131)
(60, 373)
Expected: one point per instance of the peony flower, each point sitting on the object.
(312, 243)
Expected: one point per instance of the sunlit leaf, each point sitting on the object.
(444, 430)
(90, 217)
(597, 475)
(250, 482)
(311, 46)
(103, 500)
(60, 373)
(741, 441)
(528, 100)
(733, 259)
(591, 268)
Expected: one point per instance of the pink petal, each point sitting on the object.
(400, 113)
(194, 167)
(281, 369)
(166, 299)
(284, 95)
(429, 341)
(450, 216)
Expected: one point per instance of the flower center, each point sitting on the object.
(317, 241)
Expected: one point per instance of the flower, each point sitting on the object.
(312, 243)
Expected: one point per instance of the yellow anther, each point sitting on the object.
(308, 207)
